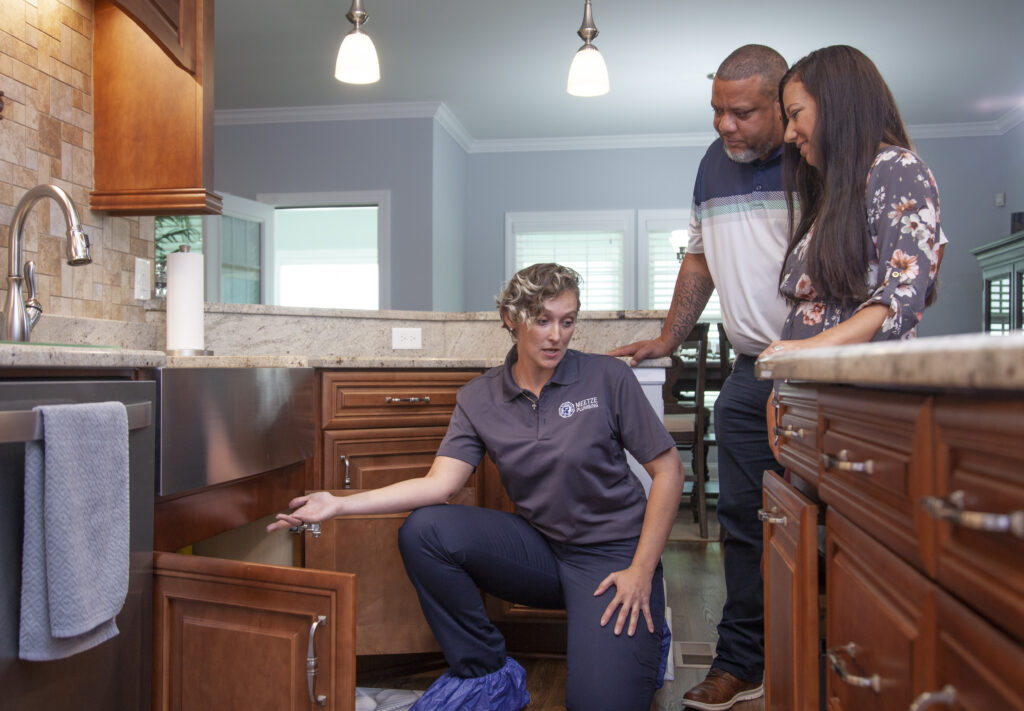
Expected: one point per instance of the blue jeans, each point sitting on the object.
(743, 456)
(452, 552)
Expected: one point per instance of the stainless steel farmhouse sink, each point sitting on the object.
(221, 424)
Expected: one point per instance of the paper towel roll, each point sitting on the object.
(185, 302)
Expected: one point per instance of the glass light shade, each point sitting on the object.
(678, 238)
(357, 59)
(588, 74)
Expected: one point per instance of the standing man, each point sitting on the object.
(738, 238)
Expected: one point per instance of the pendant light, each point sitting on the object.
(588, 74)
(357, 57)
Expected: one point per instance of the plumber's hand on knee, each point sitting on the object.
(632, 597)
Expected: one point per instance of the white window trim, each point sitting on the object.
(648, 221)
(578, 220)
(353, 198)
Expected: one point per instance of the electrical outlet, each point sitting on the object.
(406, 338)
(142, 278)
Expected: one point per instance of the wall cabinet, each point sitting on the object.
(923, 551)
(1002, 277)
(153, 107)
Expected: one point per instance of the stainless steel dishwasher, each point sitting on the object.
(115, 674)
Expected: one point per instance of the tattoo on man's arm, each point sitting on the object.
(688, 303)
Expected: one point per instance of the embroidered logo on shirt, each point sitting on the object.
(568, 409)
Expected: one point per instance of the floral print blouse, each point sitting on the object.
(903, 221)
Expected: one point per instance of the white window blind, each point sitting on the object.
(600, 246)
(660, 256)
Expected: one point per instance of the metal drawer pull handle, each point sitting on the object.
(838, 664)
(389, 400)
(348, 474)
(790, 431)
(27, 425)
(953, 510)
(945, 696)
(841, 461)
(313, 528)
(767, 516)
(312, 663)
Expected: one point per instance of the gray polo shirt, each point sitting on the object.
(562, 460)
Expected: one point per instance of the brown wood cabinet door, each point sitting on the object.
(370, 459)
(790, 597)
(230, 635)
(980, 469)
(388, 615)
(880, 623)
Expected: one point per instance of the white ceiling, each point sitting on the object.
(500, 66)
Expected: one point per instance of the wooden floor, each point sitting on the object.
(696, 593)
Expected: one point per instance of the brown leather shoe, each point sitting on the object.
(720, 690)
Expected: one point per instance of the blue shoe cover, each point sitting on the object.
(502, 690)
(666, 648)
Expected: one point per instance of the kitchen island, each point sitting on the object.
(912, 456)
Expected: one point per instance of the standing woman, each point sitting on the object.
(864, 253)
(557, 424)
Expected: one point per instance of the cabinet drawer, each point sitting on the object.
(979, 469)
(880, 623)
(876, 465)
(363, 399)
(798, 432)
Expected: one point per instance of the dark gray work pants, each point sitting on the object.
(453, 552)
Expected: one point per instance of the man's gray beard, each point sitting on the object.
(749, 155)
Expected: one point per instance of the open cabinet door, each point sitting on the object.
(231, 635)
(791, 630)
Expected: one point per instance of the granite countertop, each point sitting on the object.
(37, 355)
(44, 355)
(975, 360)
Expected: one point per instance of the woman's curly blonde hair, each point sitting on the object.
(522, 299)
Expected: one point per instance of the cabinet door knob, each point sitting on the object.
(952, 509)
(841, 462)
(838, 663)
(312, 663)
(790, 431)
(348, 474)
(945, 696)
(770, 518)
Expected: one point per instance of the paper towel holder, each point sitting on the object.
(188, 352)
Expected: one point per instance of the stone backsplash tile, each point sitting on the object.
(46, 137)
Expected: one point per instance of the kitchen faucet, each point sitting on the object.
(16, 323)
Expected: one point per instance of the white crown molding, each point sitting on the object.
(449, 122)
(306, 114)
(584, 143)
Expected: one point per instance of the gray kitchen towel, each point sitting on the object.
(75, 553)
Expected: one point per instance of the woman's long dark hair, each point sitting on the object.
(856, 114)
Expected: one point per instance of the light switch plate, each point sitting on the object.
(142, 288)
(406, 338)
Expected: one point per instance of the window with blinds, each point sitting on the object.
(598, 245)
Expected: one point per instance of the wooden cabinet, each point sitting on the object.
(235, 635)
(377, 428)
(153, 107)
(790, 597)
(923, 550)
(1002, 277)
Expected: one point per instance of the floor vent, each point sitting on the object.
(693, 654)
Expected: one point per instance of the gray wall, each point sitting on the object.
(328, 156)
(449, 222)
